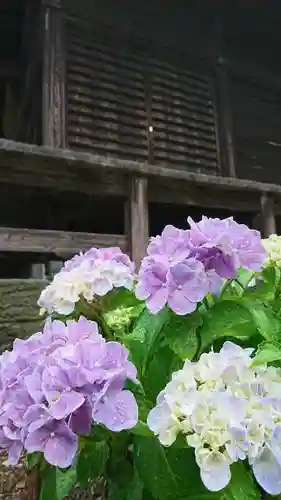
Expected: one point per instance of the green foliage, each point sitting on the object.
(241, 486)
(268, 352)
(180, 333)
(228, 318)
(135, 465)
(92, 461)
(143, 339)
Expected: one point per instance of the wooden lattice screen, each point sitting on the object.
(125, 102)
(256, 130)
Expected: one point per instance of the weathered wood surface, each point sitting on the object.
(55, 242)
(54, 76)
(138, 220)
(268, 224)
(29, 157)
(19, 313)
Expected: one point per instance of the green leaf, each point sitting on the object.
(65, 481)
(180, 334)
(48, 483)
(141, 429)
(227, 318)
(119, 297)
(265, 320)
(266, 285)
(158, 372)
(92, 461)
(133, 490)
(268, 352)
(168, 474)
(141, 342)
(241, 486)
(33, 459)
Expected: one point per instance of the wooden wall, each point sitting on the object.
(18, 309)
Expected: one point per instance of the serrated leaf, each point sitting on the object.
(92, 461)
(141, 342)
(180, 334)
(168, 473)
(227, 318)
(268, 352)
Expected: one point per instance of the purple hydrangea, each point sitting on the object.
(183, 266)
(54, 385)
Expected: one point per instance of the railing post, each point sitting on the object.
(268, 225)
(54, 131)
(137, 219)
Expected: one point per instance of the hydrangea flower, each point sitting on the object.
(272, 246)
(183, 266)
(225, 246)
(93, 273)
(228, 411)
(56, 383)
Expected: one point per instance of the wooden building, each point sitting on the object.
(118, 117)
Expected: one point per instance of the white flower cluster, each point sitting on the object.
(272, 246)
(94, 273)
(228, 411)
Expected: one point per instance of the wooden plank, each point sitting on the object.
(139, 219)
(55, 242)
(54, 76)
(267, 216)
(30, 157)
(225, 121)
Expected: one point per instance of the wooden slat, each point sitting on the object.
(54, 77)
(55, 242)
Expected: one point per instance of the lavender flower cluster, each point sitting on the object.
(93, 273)
(183, 266)
(56, 383)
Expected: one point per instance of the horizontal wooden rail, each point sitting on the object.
(56, 242)
(29, 157)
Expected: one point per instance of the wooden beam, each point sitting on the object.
(139, 220)
(225, 120)
(60, 243)
(54, 76)
(29, 157)
(268, 225)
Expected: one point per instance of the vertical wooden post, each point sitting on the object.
(54, 121)
(267, 216)
(138, 223)
(225, 120)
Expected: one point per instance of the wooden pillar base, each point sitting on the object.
(268, 225)
(137, 219)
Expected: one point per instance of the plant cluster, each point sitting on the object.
(166, 382)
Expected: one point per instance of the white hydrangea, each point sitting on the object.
(273, 250)
(94, 273)
(228, 411)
